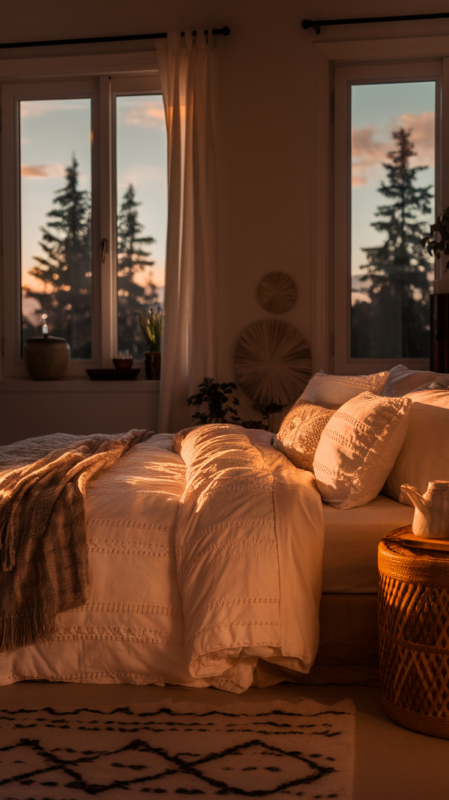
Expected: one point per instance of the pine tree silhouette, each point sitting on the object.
(66, 267)
(65, 270)
(134, 297)
(396, 322)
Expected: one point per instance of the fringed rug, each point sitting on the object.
(271, 750)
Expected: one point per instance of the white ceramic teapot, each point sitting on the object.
(431, 519)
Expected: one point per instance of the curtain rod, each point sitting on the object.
(318, 23)
(94, 40)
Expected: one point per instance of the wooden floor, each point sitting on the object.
(391, 763)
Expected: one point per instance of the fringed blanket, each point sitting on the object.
(43, 531)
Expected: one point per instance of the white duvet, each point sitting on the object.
(201, 563)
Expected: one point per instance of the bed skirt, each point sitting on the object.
(348, 651)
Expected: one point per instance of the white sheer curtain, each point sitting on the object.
(187, 67)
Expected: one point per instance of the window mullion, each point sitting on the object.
(105, 247)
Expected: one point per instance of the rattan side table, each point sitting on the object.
(414, 634)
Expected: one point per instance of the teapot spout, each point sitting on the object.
(416, 498)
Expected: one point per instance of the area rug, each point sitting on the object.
(240, 750)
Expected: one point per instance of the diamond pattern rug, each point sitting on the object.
(273, 750)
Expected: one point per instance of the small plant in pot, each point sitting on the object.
(151, 324)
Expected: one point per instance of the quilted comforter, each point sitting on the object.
(202, 564)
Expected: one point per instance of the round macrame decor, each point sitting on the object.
(276, 292)
(273, 362)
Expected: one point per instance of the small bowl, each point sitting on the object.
(122, 363)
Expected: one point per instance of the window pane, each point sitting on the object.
(393, 176)
(141, 215)
(56, 220)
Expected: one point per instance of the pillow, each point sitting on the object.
(401, 380)
(424, 456)
(300, 433)
(331, 391)
(358, 448)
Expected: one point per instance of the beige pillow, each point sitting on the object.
(402, 380)
(358, 448)
(424, 455)
(300, 433)
(331, 391)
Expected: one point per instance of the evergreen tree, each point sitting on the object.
(66, 267)
(65, 270)
(395, 323)
(135, 295)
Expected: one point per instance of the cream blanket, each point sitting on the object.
(202, 567)
(43, 528)
(249, 544)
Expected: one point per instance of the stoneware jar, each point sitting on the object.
(46, 357)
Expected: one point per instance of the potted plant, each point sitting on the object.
(151, 324)
(215, 401)
(437, 243)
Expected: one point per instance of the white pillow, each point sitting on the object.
(401, 380)
(424, 455)
(358, 448)
(331, 391)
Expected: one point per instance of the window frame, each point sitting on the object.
(329, 56)
(344, 78)
(100, 77)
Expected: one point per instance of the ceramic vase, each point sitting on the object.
(152, 365)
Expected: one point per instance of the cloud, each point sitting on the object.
(423, 136)
(367, 155)
(370, 145)
(42, 170)
(145, 115)
(142, 177)
(37, 108)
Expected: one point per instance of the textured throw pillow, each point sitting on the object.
(358, 448)
(300, 433)
(424, 455)
(331, 391)
(401, 381)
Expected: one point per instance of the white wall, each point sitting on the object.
(266, 155)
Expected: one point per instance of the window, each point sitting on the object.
(387, 185)
(85, 207)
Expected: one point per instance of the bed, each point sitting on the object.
(214, 562)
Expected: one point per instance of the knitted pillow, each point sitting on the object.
(300, 433)
(358, 448)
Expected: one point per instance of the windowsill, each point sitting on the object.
(78, 384)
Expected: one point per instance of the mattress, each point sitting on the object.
(351, 538)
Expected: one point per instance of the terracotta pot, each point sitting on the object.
(152, 366)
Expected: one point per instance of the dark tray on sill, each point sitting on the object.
(112, 374)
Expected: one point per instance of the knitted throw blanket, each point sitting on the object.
(43, 544)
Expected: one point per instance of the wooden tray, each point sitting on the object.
(425, 544)
(112, 374)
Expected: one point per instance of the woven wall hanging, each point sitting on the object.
(277, 292)
(273, 362)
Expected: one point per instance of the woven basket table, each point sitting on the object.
(414, 634)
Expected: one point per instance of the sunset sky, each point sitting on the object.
(53, 130)
(377, 110)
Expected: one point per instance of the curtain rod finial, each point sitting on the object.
(309, 23)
